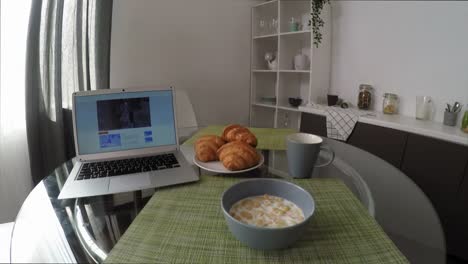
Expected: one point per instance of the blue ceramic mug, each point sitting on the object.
(303, 150)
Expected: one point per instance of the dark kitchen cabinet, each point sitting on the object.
(387, 144)
(314, 124)
(459, 223)
(464, 189)
(463, 194)
(438, 167)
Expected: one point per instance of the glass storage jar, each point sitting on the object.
(390, 103)
(364, 98)
(465, 122)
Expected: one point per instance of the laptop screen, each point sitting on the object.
(124, 121)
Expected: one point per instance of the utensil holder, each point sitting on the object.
(450, 118)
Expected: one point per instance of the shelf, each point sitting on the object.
(289, 108)
(262, 115)
(297, 71)
(265, 36)
(284, 82)
(266, 3)
(287, 118)
(292, 85)
(282, 34)
(294, 32)
(259, 48)
(256, 70)
(264, 105)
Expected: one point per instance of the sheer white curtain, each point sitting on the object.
(68, 51)
(15, 177)
(49, 49)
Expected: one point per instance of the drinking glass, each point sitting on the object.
(262, 27)
(273, 26)
(423, 107)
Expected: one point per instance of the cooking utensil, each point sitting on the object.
(455, 107)
(448, 107)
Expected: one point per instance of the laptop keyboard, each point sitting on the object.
(127, 166)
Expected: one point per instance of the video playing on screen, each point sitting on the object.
(123, 113)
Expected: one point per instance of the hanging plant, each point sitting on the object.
(316, 21)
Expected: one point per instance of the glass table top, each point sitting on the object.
(86, 229)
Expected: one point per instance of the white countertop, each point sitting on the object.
(404, 123)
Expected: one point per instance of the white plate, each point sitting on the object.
(218, 167)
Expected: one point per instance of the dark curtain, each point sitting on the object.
(68, 50)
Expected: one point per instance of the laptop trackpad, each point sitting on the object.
(130, 183)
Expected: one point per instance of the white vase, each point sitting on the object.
(305, 22)
(301, 62)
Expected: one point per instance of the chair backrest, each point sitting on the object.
(186, 120)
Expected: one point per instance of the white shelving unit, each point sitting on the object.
(311, 85)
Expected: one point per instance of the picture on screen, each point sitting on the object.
(112, 140)
(123, 113)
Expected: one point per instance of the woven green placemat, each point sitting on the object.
(268, 138)
(185, 224)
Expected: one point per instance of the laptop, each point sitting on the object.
(125, 141)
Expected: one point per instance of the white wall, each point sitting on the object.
(202, 46)
(410, 48)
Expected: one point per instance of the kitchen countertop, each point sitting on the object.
(403, 123)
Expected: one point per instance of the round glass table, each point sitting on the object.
(86, 229)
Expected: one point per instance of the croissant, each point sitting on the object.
(206, 147)
(238, 155)
(239, 133)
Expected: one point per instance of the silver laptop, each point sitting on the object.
(125, 141)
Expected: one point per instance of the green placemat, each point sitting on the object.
(268, 138)
(185, 224)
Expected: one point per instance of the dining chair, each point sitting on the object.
(5, 239)
(186, 120)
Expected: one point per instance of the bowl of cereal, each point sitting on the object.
(267, 213)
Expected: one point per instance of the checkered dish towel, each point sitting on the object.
(340, 122)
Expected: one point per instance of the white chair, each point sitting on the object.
(5, 239)
(186, 119)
